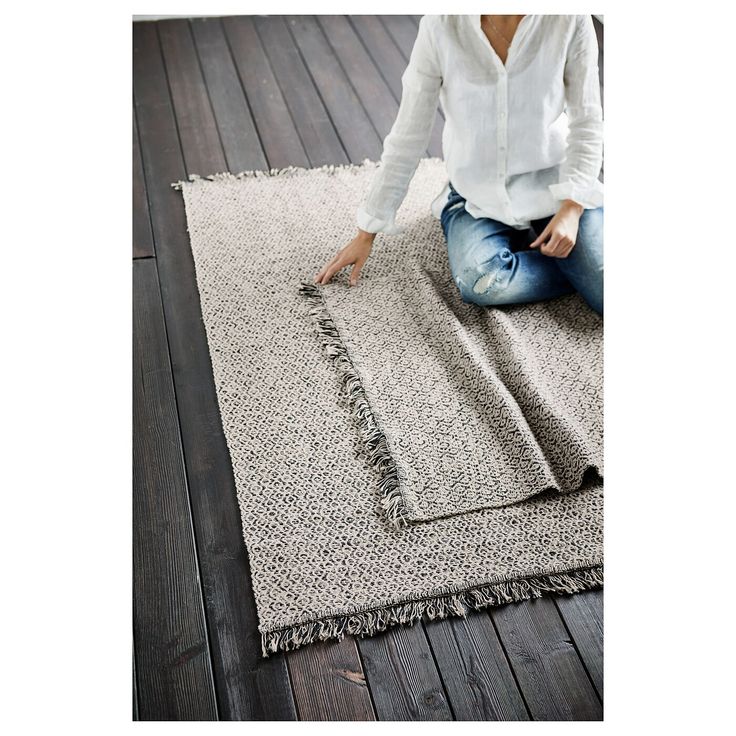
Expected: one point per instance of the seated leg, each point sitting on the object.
(486, 269)
(583, 268)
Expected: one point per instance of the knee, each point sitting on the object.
(486, 283)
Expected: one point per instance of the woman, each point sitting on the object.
(523, 147)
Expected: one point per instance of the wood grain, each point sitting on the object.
(172, 652)
(551, 676)
(583, 617)
(329, 683)
(403, 677)
(142, 235)
(198, 133)
(238, 133)
(248, 686)
(316, 131)
(257, 92)
(351, 122)
(477, 676)
(278, 133)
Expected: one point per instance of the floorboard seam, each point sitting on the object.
(291, 685)
(577, 650)
(178, 413)
(149, 215)
(511, 666)
(317, 90)
(349, 80)
(367, 681)
(209, 97)
(437, 667)
(245, 93)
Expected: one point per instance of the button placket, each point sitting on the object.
(501, 125)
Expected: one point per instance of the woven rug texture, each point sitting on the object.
(396, 452)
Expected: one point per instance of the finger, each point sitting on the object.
(550, 248)
(566, 248)
(355, 273)
(321, 275)
(323, 270)
(331, 271)
(332, 262)
(540, 238)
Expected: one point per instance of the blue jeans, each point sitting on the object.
(491, 266)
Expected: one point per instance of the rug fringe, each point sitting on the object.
(379, 455)
(286, 171)
(376, 620)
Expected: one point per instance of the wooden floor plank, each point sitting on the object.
(194, 118)
(478, 679)
(382, 49)
(170, 633)
(238, 133)
(142, 235)
(371, 88)
(317, 133)
(583, 616)
(278, 134)
(248, 686)
(211, 112)
(135, 691)
(550, 674)
(403, 30)
(403, 677)
(401, 35)
(351, 122)
(329, 684)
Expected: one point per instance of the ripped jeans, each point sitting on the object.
(492, 266)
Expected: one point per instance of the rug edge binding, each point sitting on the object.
(366, 163)
(459, 604)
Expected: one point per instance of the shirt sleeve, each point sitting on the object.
(408, 138)
(578, 179)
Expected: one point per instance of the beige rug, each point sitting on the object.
(465, 407)
(405, 453)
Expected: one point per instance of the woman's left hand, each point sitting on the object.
(558, 238)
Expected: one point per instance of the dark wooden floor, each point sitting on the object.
(256, 92)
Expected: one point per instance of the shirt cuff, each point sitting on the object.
(375, 225)
(589, 197)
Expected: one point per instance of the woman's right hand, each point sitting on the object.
(355, 252)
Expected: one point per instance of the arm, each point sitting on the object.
(407, 141)
(403, 147)
(579, 171)
(578, 187)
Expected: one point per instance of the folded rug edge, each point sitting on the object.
(379, 455)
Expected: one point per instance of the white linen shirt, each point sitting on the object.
(518, 139)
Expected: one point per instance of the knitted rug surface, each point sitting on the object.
(396, 451)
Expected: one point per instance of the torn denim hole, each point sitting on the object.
(492, 275)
